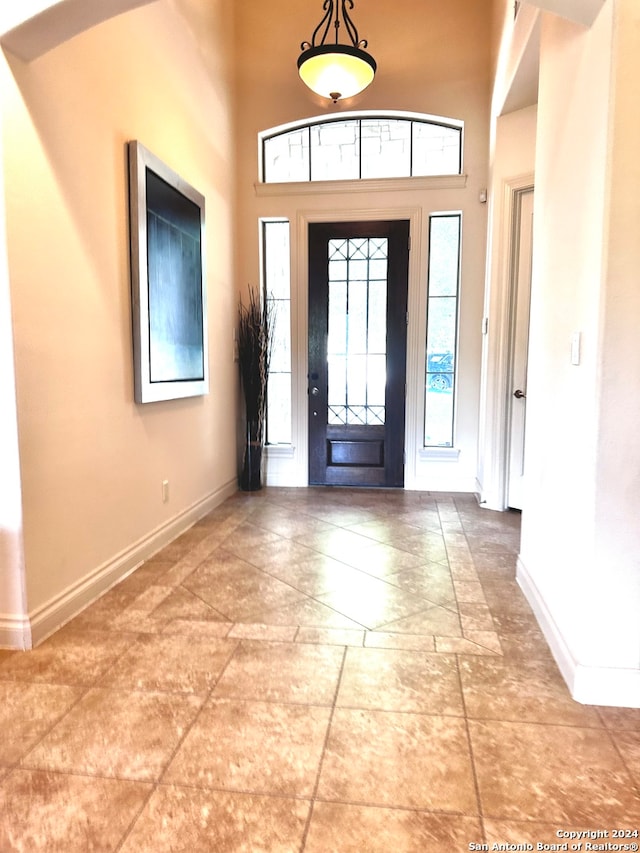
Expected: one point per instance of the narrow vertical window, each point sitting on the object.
(442, 328)
(277, 288)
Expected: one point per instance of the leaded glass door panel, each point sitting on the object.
(357, 352)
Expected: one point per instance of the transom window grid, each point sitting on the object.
(362, 148)
(443, 285)
(356, 341)
(276, 279)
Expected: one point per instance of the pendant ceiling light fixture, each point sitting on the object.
(336, 70)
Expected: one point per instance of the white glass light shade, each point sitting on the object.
(336, 71)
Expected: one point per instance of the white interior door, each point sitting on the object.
(521, 289)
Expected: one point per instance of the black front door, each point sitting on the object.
(358, 274)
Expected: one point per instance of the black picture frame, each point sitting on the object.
(168, 285)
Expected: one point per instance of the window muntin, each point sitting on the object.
(353, 148)
(335, 150)
(277, 288)
(443, 286)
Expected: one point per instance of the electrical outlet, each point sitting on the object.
(165, 491)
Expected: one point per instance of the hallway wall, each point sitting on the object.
(92, 461)
(580, 535)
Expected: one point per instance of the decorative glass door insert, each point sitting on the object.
(357, 334)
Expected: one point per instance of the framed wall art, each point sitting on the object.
(167, 218)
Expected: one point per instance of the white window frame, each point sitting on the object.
(396, 115)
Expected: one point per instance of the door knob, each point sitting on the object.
(315, 391)
(519, 394)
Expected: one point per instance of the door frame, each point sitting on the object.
(416, 307)
(496, 372)
(515, 285)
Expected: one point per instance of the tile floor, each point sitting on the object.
(311, 670)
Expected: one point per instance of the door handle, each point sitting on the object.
(315, 391)
(519, 394)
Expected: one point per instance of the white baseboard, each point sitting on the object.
(50, 616)
(589, 685)
(15, 632)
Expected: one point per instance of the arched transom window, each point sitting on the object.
(360, 146)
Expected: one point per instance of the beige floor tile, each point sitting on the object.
(53, 813)
(436, 621)
(522, 691)
(463, 570)
(315, 575)
(180, 571)
(498, 565)
(185, 819)
(469, 591)
(238, 590)
(110, 697)
(475, 617)
(381, 560)
(257, 747)
(71, 656)
(335, 515)
(172, 663)
(289, 525)
(620, 718)
(428, 547)
(182, 604)
(149, 598)
(531, 646)
(372, 602)
(401, 760)
(628, 743)
(309, 613)
(474, 645)
(282, 552)
(339, 543)
(430, 581)
(330, 636)
(249, 541)
(27, 712)
(355, 829)
(282, 672)
(552, 774)
(117, 734)
(202, 630)
(184, 543)
(249, 631)
(511, 622)
(385, 529)
(392, 680)
(100, 615)
(389, 640)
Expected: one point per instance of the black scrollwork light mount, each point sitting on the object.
(330, 68)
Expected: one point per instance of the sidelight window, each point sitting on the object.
(442, 328)
(277, 289)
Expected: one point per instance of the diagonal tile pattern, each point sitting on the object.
(310, 671)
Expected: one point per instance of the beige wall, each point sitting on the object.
(13, 605)
(580, 546)
(616, 588)
(92, 460)
(441, 68)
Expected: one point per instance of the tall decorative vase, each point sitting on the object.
(254, 350)
(251, 477)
